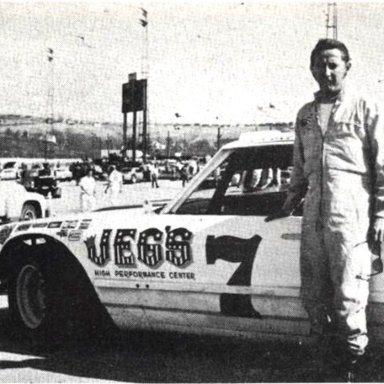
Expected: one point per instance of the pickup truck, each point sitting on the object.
(16, 203)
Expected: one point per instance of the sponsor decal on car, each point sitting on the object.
(39, 225)
(23, 227)
(151, 247)
(55, 224)
(62, 233)
(75, 235)
(70, 224)
(235, 250)
(85, 223)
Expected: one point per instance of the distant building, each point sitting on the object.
(107, 152)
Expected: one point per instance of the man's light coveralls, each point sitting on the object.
(340, 173)
(115, 180)
(88, 185)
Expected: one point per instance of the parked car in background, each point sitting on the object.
(132, 174)
(11, 170)
(62, 173)
(27, 175)
(170, 169)
(99, 173)
(18, 204)
(41, 180)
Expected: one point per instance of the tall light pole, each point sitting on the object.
(219, 134)
(331, 20)
(50, 97)
(145, 74)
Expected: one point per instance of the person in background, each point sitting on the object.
(77, 172)
(154, 174)
(184, 174)
(193, 166)
(88, 191)
(46, 171)
(115, 185)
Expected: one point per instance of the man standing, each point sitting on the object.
(338, 169)
(154, 173)
(115, 185)
(88, 191)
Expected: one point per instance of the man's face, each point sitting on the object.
(330, 70)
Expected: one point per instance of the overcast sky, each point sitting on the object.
(209, 61)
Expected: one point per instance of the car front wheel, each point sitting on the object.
(32, 308)
(50, 301)
(28, 212)
(30, 296)
(41, 305)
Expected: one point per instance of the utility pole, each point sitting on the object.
(145, 74)
(218, 137)
(168, 144)
(145, 128)
(331, 20)
(125, 128)
(108, 143)
(50, 98)
(134, 121)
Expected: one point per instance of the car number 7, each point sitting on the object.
(235, 250)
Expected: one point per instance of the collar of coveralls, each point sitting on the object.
(319, 96)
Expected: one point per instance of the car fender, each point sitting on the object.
(62, 263)
(23, 244)
(13, 196)
(15, 203)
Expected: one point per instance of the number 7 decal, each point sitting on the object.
(235, 250)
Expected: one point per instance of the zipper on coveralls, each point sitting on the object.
(319, 223)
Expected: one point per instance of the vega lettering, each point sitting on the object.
(148, 247)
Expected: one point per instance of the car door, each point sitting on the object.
(210, 263)
(246, 271)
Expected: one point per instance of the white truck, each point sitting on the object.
(18, 204)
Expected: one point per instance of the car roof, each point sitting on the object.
(262, 138)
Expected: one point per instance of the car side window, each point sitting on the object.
(199, 201)
(252, 181)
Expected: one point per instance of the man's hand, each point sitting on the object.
(377, 230)
(280, 214)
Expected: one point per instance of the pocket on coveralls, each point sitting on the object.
(363, 260)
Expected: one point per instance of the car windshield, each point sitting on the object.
(250, 181)
(10, 164)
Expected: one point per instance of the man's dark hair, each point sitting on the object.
(324, 44)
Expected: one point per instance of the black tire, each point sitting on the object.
(29, 212)
(51, 302)
(35, 297)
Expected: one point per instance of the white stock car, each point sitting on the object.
(206, 262)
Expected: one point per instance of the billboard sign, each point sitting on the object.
(133, 95)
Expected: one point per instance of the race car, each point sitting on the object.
(205, 262)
